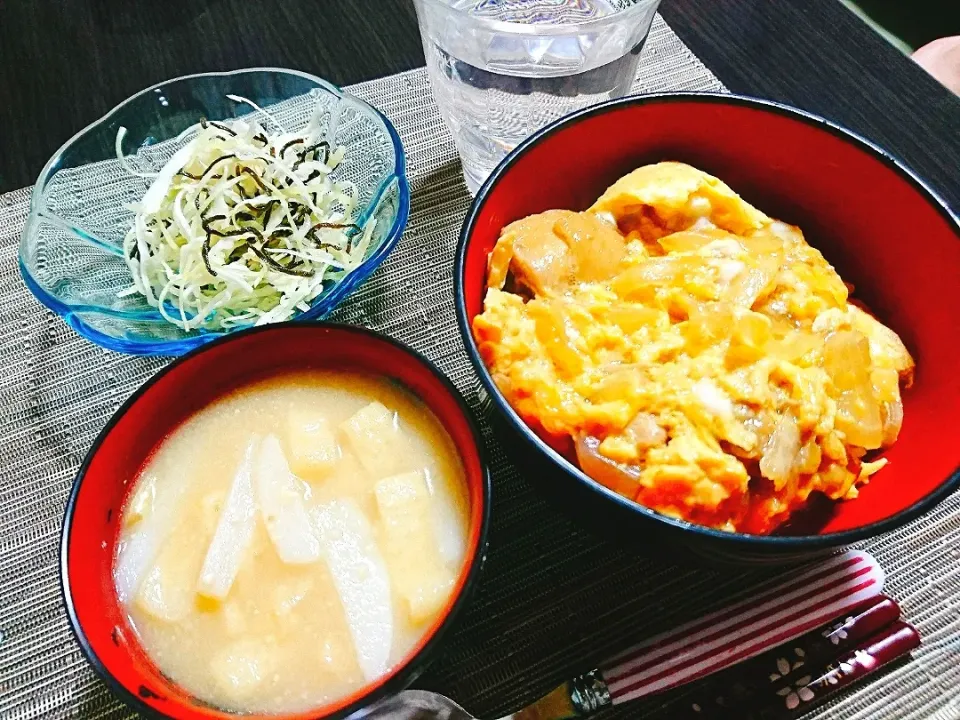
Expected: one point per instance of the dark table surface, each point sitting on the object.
(67, 62)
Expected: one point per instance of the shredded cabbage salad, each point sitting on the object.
(244, 225)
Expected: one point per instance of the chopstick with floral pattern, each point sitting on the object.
(788, 699)
(788, 666)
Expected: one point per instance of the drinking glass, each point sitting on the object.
(502, 69)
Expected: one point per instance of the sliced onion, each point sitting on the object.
(892, 421)
(622, 479)
(780, 453)
(715, 400)
(645, 431)
(749, 285)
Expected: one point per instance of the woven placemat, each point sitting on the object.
(553, 600)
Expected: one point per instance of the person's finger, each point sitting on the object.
(941, 58)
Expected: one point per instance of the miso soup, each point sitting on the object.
(293, 541)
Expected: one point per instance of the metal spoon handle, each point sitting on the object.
(583, 695)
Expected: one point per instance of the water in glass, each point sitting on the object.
(502, 69)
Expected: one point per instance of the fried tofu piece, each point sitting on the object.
(374, 436)
(412, 548)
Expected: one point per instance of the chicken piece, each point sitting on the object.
(597, 247)
(546, 253)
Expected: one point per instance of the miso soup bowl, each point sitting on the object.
(875, 220)
(92, 521)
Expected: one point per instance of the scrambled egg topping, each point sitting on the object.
(690, 352)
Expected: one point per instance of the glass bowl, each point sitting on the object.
(71, 254)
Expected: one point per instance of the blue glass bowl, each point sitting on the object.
(71, 253)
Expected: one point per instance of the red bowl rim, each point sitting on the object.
(403, 675)
(732, 541)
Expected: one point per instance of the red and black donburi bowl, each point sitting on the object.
(92, 519)
(873, 219)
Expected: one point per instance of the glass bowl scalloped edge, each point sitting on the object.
(322, 306)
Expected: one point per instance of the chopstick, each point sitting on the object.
(806, 605)
(811, 598)
(785, 701)
(718, 695)
(816, 677)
